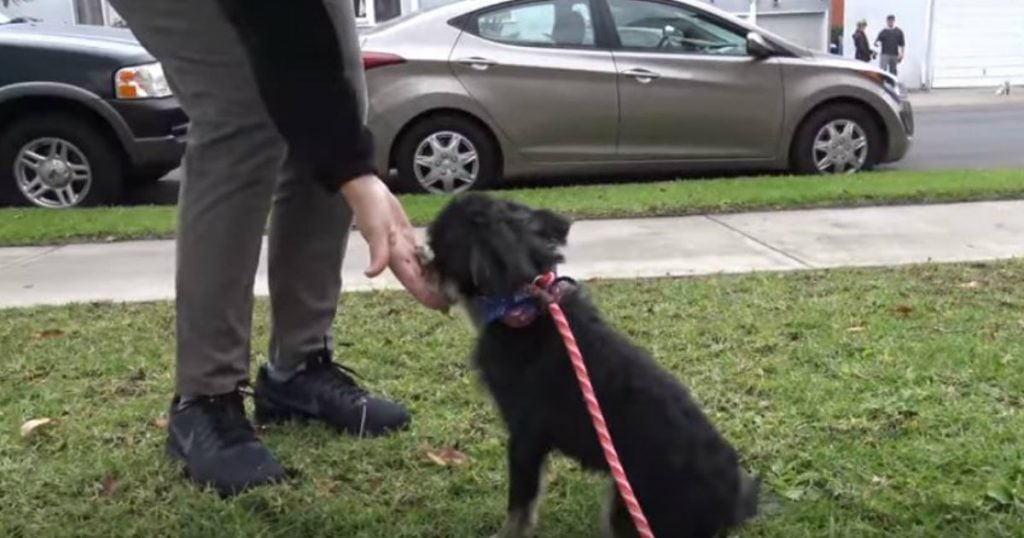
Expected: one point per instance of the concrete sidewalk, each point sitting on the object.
(775, 241)
(965, 98)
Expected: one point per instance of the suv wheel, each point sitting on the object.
(838, 139)
(446, 155)
(57, 161)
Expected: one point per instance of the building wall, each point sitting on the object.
(911, 15)
(51, 11)
(768, 6)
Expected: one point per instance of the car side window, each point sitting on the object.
(554, 23)
(662, 27)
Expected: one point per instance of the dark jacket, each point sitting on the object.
(863, 48)
(891, 40)
(296, 59)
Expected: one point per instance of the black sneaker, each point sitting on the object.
(218, 446)
(326, 391)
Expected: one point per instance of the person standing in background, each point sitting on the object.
(893, 45)
(863, 49)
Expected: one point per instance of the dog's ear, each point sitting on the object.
(552, 226)
(479, 266)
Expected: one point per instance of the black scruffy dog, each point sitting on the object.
(484, 253)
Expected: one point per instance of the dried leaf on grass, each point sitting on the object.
(972, 285)
(446, 457)
(31, 426)
(903, 310)
(160, 422)
(110, 485)
(49, 333)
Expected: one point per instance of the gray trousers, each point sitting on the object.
(889, 63)
(237, 172)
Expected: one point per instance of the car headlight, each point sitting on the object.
(895, 88)
(891, 84)
(141, 82)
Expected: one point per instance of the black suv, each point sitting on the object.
(84, 111)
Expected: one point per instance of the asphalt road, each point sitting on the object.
(953, 137)
(983, 136)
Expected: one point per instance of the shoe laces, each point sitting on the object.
(338, 380)
(225, 414)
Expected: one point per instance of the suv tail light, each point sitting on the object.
(372, 60)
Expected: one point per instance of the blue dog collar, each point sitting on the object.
(522, 308)
(518, 310)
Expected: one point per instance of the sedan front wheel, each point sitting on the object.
(838, 139)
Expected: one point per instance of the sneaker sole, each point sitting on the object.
(175, 454)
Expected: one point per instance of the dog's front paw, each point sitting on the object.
(503, 534)
(511, 530)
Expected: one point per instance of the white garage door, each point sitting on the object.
(805, 29)
(978, 43)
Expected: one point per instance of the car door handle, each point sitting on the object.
(476, 62)
(643, 76)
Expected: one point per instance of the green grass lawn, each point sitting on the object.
(39, 226)
(872, 402)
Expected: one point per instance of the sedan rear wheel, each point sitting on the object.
(446, 162)
(446, 155)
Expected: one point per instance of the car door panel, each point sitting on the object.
(688, 89)
(554, 104)
(698, 107)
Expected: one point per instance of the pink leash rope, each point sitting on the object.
(594, 408)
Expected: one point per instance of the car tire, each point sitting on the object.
(854, 124)
(84, 169)
(446, 140)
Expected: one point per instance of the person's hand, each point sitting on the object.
(383, 223)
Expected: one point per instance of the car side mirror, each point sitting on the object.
(758, 46)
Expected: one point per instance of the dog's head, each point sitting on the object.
(486, 247)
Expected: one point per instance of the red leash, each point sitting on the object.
(541, 284)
